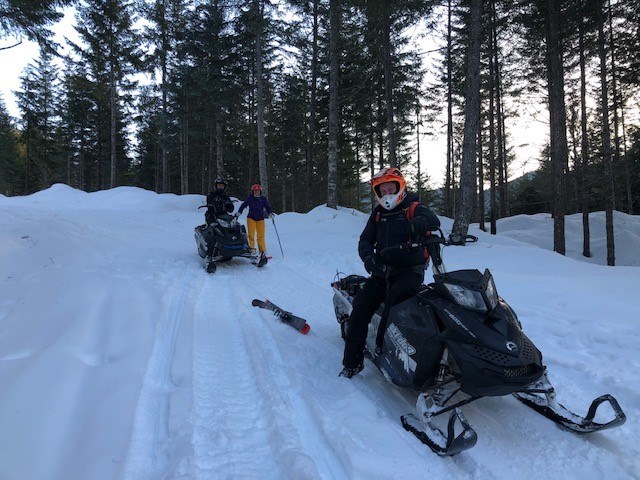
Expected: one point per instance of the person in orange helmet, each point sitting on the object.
(395, 276)
(259, 209)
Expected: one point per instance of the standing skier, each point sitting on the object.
(258, 205)
(218, 201)
(395, 275)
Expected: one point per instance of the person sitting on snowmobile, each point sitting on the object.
(218, 201)
(395, 276)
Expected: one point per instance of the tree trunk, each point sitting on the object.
(262, 152)
(606, 137)
(584, 150)
(617, 105)
(165, 114)
(576, 158)
(219, 156)
(388, 84)
(381, 159)
(312, 110)
(500, 129)
(112, 87)
(418, 152)
(493, 208)
(471, 123)
(332, 171)
(448, 207)
(558, 121)
(480, 182)
(184, 161)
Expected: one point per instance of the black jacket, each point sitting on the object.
(391, 228)
(219, 204)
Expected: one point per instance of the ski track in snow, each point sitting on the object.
(149, 449)
(245, 421)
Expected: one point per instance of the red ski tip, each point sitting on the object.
(305, 329)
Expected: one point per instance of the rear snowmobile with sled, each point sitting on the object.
(456, 341)
(223, 239)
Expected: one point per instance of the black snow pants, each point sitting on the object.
(375, 291)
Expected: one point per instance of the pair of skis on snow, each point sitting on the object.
(289, 318)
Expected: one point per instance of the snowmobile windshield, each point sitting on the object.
(470, 289)
(227, 221)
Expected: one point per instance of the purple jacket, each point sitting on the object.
(257, 206)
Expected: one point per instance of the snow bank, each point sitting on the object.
(538, 230)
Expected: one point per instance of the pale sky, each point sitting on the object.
(527, 133)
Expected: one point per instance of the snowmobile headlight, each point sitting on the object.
(224, 223)
(492, 294)
(466, 297)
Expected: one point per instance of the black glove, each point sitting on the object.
(419, 227)
(373, 266)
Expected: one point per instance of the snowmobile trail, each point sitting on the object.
(238, 372)
(149, 453)
(227, 413)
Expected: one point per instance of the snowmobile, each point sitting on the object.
(223, 239)
(455, 341)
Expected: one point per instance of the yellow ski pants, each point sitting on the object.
(253, 227)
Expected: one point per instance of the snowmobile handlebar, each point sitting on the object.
(237, 214)
(427, 242)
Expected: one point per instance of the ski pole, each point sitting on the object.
(274, 227)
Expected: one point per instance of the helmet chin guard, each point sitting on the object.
(389, 202)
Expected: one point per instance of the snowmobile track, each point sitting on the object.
(229, 436)
(146, 457)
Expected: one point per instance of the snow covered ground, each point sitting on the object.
(538, 230)
(121, 358)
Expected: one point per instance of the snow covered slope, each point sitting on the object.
(538, 230)
(121, 358)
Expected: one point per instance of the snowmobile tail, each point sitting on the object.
(296, 322)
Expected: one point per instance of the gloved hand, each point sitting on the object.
(373, 266)
(419, 227)
(272, 215)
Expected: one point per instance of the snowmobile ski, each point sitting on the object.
(436, 440)
(296, 322)
(540, 397)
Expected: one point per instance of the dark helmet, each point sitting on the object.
(219, 181)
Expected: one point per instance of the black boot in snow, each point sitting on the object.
(350, 372)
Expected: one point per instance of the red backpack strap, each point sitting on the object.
(411, 210)
(378, 217)
(410, 213)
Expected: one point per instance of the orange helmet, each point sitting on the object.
(386, 175)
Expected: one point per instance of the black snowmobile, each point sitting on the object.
(457, 338)
(223, 239)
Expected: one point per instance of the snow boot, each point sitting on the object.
(350, 372)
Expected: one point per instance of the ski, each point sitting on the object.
(296, 322)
